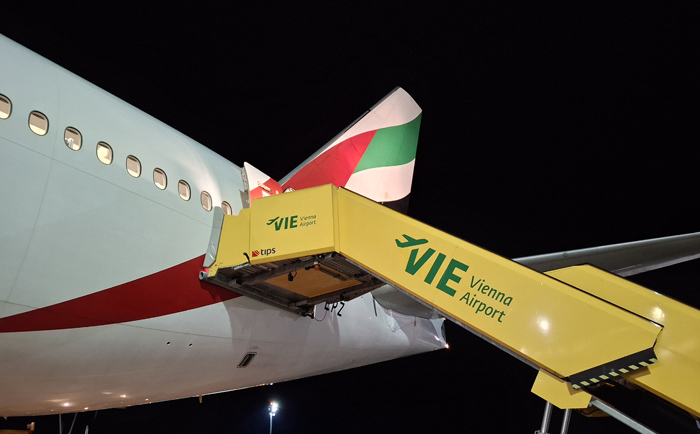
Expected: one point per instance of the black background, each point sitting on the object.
(546, 127)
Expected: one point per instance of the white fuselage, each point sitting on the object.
(72, 226)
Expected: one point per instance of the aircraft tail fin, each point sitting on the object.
(374, 156)
(257, 183)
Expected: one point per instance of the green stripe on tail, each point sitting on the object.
(392, 146)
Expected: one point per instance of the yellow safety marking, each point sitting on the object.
(678, 346)
(576, 384)
(559, 392)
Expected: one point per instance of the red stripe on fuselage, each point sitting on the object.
(173, 290)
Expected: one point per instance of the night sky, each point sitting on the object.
(545, 127)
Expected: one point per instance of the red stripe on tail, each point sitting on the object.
(334, 166)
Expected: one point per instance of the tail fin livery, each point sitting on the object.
(257, 183)
(373, 157)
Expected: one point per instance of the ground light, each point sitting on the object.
(273, 409)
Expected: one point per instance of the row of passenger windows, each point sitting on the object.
(39, 124)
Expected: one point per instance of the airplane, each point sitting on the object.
(103, 244)
(100, 304)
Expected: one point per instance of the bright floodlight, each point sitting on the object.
(273, 409)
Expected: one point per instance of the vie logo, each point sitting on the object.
(289, 222)
(415, 263)
(482, 298)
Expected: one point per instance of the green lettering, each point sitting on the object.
(293, 221)
(412, 266)
(434, 269)
(449, 275)
(507, 301)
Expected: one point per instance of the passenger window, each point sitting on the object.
(159, 179)
(206, 201)
(133, 166)
(38, 123)
(73, 138)
(184, 189)
(5, 107)
(104, 153)
(226, 208)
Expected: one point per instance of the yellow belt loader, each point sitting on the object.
(581, 327)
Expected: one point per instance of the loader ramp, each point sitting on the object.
(325, 244)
